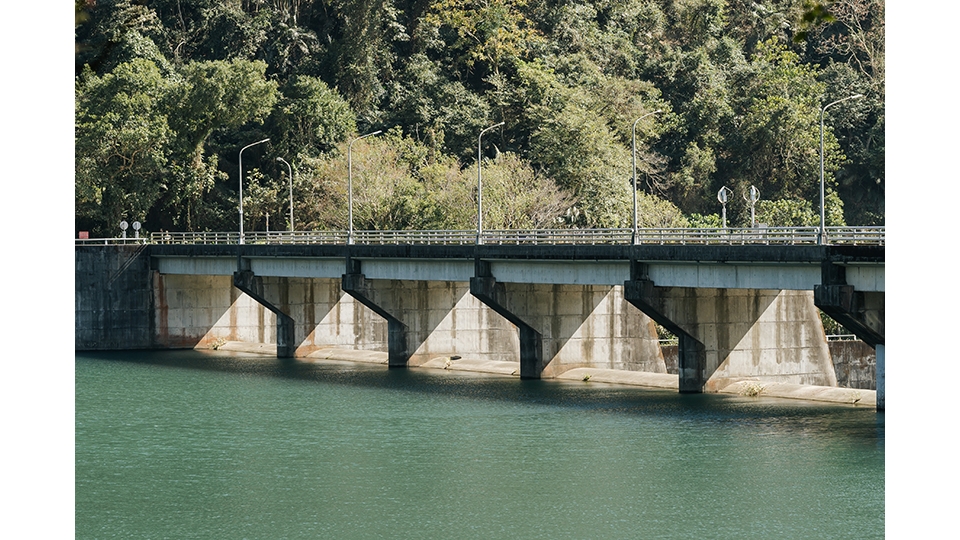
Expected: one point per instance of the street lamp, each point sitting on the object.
(636, 227)
(480, 184)
(290, 176)
(823, 215)
(241, 183)
(350, 182)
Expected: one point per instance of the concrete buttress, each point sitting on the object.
(861, 312)
(727, 335)
(428, 319)
(568, 325)
(362, 290)
(252, 286)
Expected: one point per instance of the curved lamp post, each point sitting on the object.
(241, 183)
(480, 184)
(636, 227)
(823, 214)
(350, 182)
(752, 196)
(723, 195)
(290, 176)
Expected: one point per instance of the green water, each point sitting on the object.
(215, 445)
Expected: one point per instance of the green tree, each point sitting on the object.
(210, 96)
(787, 213)
(441, 112)
(708, 221)
(481, 35)
(123, 144)
(310, 117)
(775, 145)
(263, 199)
(112, 32)
(515, 196)
(658, 213)
(386, 193)
(361, 55)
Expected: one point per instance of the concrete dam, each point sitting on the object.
(739, 312)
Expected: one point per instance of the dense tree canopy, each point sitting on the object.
(168, 92)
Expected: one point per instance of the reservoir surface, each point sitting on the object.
(208, 444)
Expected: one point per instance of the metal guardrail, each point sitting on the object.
(855, 235)
(558, 236)
(413, 237)
(194, 237)
(112, 241)
(294, 237)
(842, 337)
(665, 236)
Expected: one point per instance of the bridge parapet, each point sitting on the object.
(647, 236)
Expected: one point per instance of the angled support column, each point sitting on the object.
(252, 286)
(642, 293)
(861, 312)
(356, 285)
(485, 288)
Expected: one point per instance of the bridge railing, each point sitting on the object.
(658, 236)
(842, 337)
(111, 241)
(168, 237)
(557, 236)
(295, 237)
(730, 235)
(855, 235)
(414, 237)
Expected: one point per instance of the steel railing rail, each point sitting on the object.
(557, 236)
(296, 237)
(842, 337)
(855, 235)
(111, 241)
(651, 236)
(439, 237)
(730, 236)
(169, 237)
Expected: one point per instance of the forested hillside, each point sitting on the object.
(169, 91)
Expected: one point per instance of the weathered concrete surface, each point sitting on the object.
(478, 366)
(199, 311)
(437, 318)
(252, 285)
(855, 364)
(113, 298)
(736, 333)
(569, 326)
(193, 312)
(324, 316)
(851, 396)
(443, 319)
(612, 376)
(751, 387)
